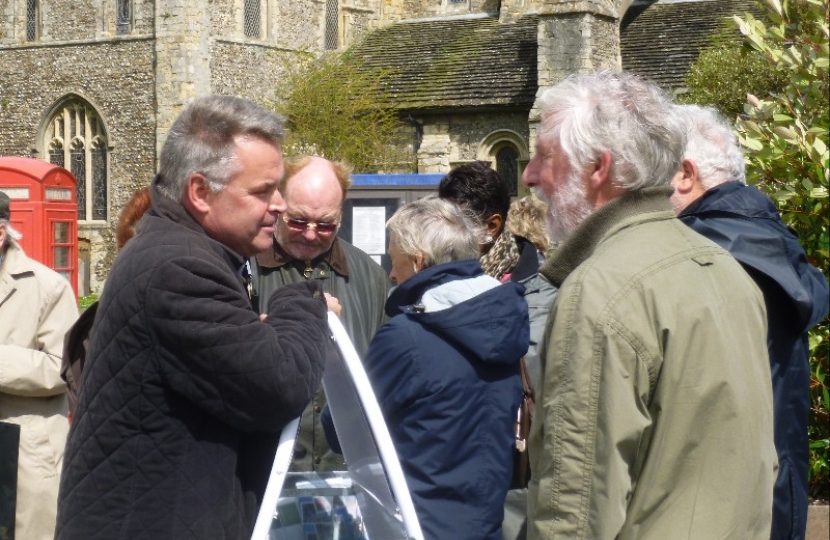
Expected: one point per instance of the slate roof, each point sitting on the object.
(661, 40)
(456, 63)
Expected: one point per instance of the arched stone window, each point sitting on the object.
(74, 138)
(507, 151)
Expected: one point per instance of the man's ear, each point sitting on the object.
(601, 175)
(493, 224)
(196, 196)
(600, 189)
(686, 179)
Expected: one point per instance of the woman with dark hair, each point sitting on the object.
(509, 258)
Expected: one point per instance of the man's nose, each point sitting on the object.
(529, 176)
(277, 203)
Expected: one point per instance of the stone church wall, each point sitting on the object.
(117, 79)
(453, 139)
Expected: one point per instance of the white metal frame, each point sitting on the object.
(386, 449)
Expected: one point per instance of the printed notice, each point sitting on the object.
(369, 229)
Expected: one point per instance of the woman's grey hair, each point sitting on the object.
(11, 232)
(620, 113)
(202, 140)
(439, 230)
(712, 145)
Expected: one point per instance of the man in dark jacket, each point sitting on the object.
(186, 387)
(711, 197)
(306, 249)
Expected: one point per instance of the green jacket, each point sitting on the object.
(361, 286)
(655, 414)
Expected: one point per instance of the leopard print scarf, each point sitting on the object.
(502, 257)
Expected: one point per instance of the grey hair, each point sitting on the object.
(202, 140)
(712, 145)
(11, 232)
(620, 113)
(437, 229)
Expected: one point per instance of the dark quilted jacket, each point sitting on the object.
(184, 391)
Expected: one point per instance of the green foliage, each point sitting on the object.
(786, 141)
(724, 72)
(86, 301)
(332, 110)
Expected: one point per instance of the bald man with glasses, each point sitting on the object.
(305, 248)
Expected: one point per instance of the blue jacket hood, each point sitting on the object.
(747, 224)
(492, 325)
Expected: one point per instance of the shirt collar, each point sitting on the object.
(278, 257)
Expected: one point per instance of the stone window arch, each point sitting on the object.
(74, 137)
(507, 151)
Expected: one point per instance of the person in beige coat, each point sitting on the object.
(37, 307)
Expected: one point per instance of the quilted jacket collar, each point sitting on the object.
(584, 240)
(164, 207)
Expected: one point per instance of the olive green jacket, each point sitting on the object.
(655, 414)
(361, 286)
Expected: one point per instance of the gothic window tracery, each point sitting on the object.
(74, 138)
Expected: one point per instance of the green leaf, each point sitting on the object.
(818, 192)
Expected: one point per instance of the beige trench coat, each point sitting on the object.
(37, 307)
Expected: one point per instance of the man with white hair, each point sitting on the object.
(654, 418)
(711, 197)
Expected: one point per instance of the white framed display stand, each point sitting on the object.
(374, 481)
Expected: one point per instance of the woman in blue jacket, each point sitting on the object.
(445, 369)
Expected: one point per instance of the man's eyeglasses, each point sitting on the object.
(300, 225)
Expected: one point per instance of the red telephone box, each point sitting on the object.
(45, 211)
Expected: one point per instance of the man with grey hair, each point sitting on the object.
(655, 414)
(186, 387)
(711, 197)
(37, 307)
